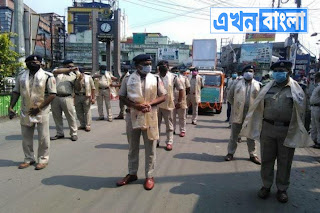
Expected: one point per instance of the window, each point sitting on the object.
(80, 28)
(212, 80)
(81, 17)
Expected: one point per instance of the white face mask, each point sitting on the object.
(146, 69)
(248, 75)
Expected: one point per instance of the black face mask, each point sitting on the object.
(163, 69)
(33, 67)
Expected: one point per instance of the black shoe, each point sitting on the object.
(158, 144)
(174, 132)
(255, 160)
(264, 193)
(74, 138)
(316, 146)
(282, 196)
(194, 123)
(229, 157)
(56, 137)
(100, 119)
(119, 117)
(226, 120)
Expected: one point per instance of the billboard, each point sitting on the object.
(260, 37)
(168, 54)
(258, 52)
(301, 65)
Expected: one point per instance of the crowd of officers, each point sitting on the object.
(273, 114)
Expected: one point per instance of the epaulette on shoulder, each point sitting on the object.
(48, 73)
(21, 72)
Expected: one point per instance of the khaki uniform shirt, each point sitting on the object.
(50, 85)
(193, 82)
(65, 83)
(104, 82)
(315, 96)
(278, 104)
(83, 89)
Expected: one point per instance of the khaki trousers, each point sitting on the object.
(83, 104)
(104, 94)
(66, 105)
(167, 115)
(122, 108)
(43, 139)
(150, 147)
(315, 124)
(272, 148)
(182, 116)
(232, 146)
(195, 108)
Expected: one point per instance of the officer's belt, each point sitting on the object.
(318, 105)
(103, 88)
(81, 93)
(63, 95)
(277, 123)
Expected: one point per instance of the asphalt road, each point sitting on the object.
(193, 177)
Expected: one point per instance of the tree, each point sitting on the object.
(8, 58)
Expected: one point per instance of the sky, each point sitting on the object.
(185, 20)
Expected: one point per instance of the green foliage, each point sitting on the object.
(8, 58)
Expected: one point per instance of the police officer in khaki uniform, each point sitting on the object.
(37, 89)
(142, 92)
(84, 97)
(103, 82)
(241, 96)
(182, 111)
(196, 84)
(315, 112)
(125, 73)
(276, 118)
(171, 82)
(65, 77)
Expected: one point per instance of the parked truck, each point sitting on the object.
(205, 58)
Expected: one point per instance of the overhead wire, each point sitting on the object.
(168, 18)
(164, 10)
(174, 8)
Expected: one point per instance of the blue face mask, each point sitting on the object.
(234, 75)
(279, 77)
(102, 72)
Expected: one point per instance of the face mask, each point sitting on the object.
(194, 73)
(234, 76)
(248, 75)
(279, 77)
(163, 69)
(102, 72)
(33, 67)
(146, 69)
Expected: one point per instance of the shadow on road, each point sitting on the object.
(114, 146)
(54, 127)
(213, 121)
(237, 192)
(204, 157)
(210, 140)
(16, 137)
(200, 157)
(85, 183)
(8, 163)
(306, 158)
(211, 127)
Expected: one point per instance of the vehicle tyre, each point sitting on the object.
(218, 111)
